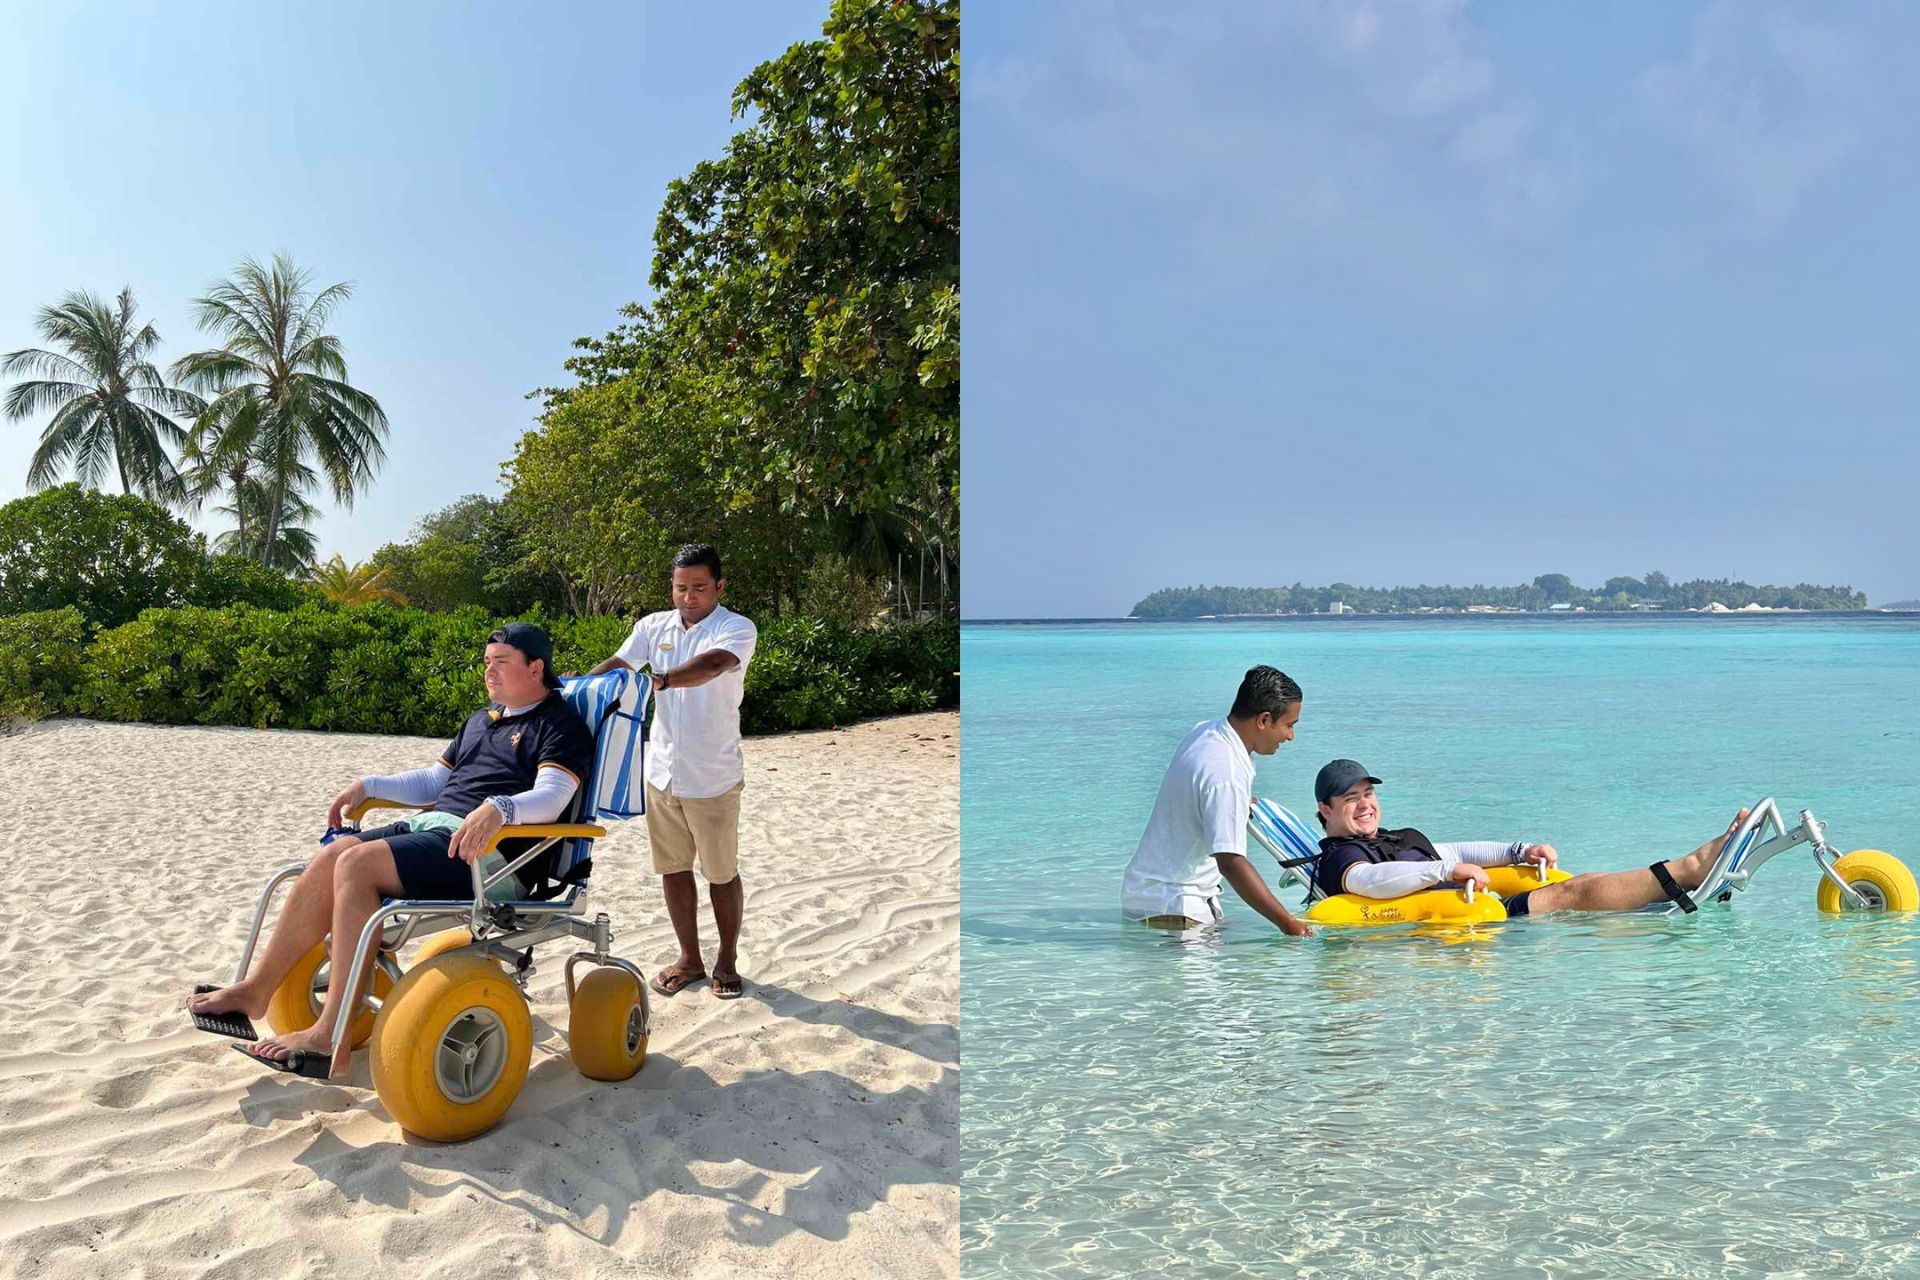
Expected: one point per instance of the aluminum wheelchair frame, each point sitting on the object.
(494, 925)
(1742, 853)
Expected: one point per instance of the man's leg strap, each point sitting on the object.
(1671, 888)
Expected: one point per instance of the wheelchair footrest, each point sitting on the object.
(235, 1023)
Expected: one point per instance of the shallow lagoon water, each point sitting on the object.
(1737, 1093)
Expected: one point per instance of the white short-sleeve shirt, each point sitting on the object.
(1201, 811)
(693, 750)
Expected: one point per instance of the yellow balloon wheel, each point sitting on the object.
(606, 1028)
(1882, 879)
(296, 1002)
(451, 1047)
(439, 944)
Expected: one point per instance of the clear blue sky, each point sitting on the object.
(1437, 292)
(487, 175)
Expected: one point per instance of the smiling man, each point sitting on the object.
(1197, 835)
(520, 760)
(1360, 856)
(697, 652)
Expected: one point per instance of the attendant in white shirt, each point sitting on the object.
(1197, 835)
(697, 653)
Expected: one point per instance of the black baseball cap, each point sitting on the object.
(1337, 777)
(533, 641)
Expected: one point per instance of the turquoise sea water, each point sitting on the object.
(1736, 1093)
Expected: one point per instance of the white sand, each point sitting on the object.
(808, 1129)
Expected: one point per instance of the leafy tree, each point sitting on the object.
(236, 579)
(108, 399)
(1623, 586)
(807, 308)
(1201, 602)
(282, 414)
(1657, 581)
(471, 552)
(616, 481)
(292, 545)
(343, 583)
(107, 555)
(1558, 588)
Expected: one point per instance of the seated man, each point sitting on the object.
(1358, 856)
(521, 760)
(1197, 835)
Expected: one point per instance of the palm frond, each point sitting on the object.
(26, 399)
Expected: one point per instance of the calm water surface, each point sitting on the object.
(1733, 1094)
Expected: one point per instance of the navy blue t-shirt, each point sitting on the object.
(1338, 853)
(495, 754)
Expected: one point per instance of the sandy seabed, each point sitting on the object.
(810, 1128)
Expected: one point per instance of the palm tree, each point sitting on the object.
(293, 545)
(280, 405)
(107, 398)
(353, 584)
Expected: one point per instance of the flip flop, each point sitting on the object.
(231, 1023)
(301, 1062)
(728, 987)
(669, 982)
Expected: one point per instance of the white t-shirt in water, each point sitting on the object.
(1201, 811)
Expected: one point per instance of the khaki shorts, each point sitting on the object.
(681, 828)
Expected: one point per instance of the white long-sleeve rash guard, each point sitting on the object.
(1394, 879)
(544, 801)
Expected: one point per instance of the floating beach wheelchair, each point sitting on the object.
(1864, 880)
(452, 1036)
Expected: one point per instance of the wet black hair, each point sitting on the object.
(1264, 689)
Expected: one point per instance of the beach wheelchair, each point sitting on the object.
(1864, 880)
(452, 1035)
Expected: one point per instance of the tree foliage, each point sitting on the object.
(1541, 593)
(107, 555)
(110, 556)
(381, 669)
(282, 416)
(341, 583)
(792, 390)
(470, 553)
(110, 405)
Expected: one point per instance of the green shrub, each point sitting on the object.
(230, 579)
(385, 669)
(107, 555)
(40, 662)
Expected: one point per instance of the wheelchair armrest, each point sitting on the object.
(541, 830)
(374, 802)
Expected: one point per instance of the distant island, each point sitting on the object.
(1548, 593)
(1904, 606)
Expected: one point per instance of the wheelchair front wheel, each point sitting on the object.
(1882, 879)
(451, 1047)
(606, 1027)
(296, 1002)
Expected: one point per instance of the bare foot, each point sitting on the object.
(1692, 869)
(241, 996)
(277, 1049)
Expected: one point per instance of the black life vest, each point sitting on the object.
(1402, 844)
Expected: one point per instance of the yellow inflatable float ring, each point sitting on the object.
(1442, 904)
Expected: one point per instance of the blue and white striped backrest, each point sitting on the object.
(614, 705)
(1285, 836)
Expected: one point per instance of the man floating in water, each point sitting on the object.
(1359, 856)
(1197, 835)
